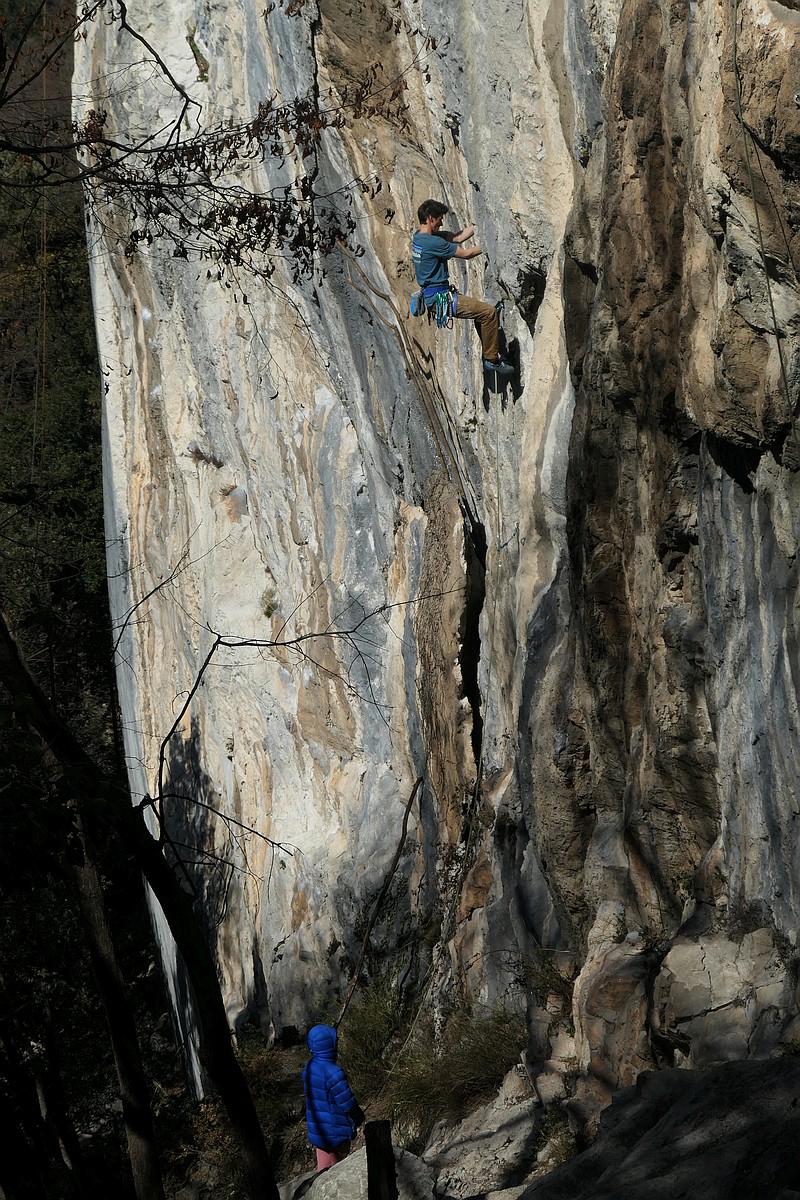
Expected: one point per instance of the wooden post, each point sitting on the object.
(381, 1177)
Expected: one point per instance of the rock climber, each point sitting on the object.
(431, 250)
(332, 1112)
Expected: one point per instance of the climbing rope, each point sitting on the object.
(446, 445)
(472, 823)
(499, 547)
(447, 453)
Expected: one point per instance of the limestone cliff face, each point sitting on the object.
(568, 606)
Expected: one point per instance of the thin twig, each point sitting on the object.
(377, 908)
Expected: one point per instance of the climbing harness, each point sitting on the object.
(436, 303)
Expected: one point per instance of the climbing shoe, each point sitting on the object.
(501, 367)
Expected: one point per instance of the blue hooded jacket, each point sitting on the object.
(332, 1113)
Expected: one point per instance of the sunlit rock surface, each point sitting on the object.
(348, 1180)
(569, 607)
(495, 1145)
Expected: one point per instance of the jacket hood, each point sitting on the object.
(322, 1042)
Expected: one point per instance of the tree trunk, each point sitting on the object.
(216, 1047)
(136, 1112)
(54, 1109)
(28, 1147)
(109, 801)
(381, 1172)
(41, 1152)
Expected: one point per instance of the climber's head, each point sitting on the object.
(431, 214)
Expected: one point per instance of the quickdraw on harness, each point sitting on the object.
(439, 303)
(441, 306)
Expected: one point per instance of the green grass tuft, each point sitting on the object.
(447, 1082)
(397, 1069)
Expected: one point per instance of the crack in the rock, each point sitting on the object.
(470, 653)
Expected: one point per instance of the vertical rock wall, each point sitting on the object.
(683, 524)
(578, 592)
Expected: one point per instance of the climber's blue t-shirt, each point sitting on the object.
(430, 254)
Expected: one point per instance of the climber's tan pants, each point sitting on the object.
(486, 321)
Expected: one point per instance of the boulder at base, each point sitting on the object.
(493, 1148)
(729, 1134)
(348, 1180)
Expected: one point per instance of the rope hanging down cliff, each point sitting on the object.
(446, 442)
(471, 822)
(450, 457)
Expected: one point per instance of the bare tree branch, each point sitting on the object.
(187, 192)
(377, 906)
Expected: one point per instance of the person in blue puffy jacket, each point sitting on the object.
(332, 1112)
